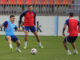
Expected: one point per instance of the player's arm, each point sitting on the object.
(79, 16)
(79, 20)
(64, 28)
(4, 24)
(17, 29)
(79, 23)
(78, 26)
(35, 18)
(20, 19)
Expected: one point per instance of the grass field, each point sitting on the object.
(53, 49)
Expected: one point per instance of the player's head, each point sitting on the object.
(12, 18)
(30, 8)
(71, 14)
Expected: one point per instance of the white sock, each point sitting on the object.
(39, 43)
(25, 43)
(68, 51)
(10, 45)
(75, 49)
(17, 47)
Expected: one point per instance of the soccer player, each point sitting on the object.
(29, 24)
(73, 33)
(10, 28)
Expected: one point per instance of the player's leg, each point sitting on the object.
(18, 43)
(9, 42)
(25, 39)
(74, 45)
(33, 29)
(18, 46)
(65, 45)
(15, 39)
(26, 30)
(38, 39)
(36, 34)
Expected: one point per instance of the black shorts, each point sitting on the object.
(70, 39)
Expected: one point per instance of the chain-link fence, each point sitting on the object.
(42, 7)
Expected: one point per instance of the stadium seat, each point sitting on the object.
(36, 8)
(19, 10)
(7, 9)
(26, 8)
(55, 9)
(63, 2)
(37, 2)
(1, 9)
(40, 6)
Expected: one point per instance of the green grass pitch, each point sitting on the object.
(53, 49)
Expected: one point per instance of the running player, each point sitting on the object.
(73, 33)
(10, 28)
(29, 24)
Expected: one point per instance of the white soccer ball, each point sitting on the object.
(33, 51)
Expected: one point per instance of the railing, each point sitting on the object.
(42, 7)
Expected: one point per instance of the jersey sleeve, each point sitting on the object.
(67, 21)
(79, 23)
(34, 17)
(5, 23)
(23, 14)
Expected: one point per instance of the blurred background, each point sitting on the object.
(51, 14)
(42, 7)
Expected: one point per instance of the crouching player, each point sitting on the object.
(10, 28)
(73, 33)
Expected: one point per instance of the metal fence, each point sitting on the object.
(42, 7)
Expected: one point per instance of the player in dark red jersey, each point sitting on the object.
(73, 33)
(29, 24)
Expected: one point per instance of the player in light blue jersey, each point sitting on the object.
(10, 28)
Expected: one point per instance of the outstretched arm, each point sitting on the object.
(17, 29)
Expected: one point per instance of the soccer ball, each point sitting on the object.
(33, 51)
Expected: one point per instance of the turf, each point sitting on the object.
(53, 49)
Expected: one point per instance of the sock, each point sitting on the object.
(75, 49)
(25, 43)
(68, 51)
(10, 45)
(39, 43)
(17, 47)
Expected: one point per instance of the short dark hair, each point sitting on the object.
(12, 16)
(29, 6)
(71, 14)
